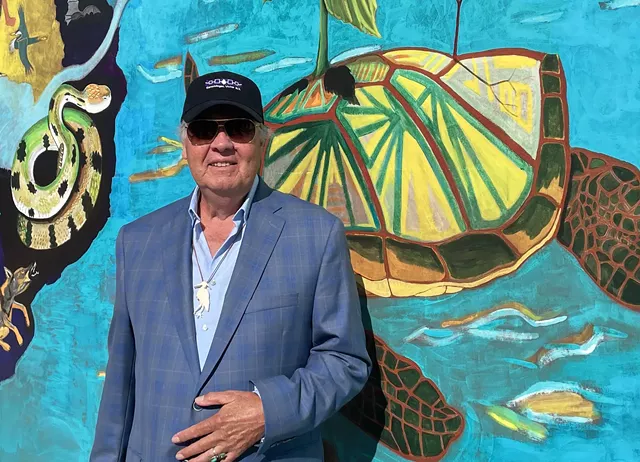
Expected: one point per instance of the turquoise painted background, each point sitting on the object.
(48, 408)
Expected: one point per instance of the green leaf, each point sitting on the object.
(359, 13)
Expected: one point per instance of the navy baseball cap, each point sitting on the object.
(221, 88)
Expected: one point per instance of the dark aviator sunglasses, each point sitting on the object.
(204, 131)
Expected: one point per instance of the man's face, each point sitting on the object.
(223, 166)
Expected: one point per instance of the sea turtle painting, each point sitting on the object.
(445, 183)
(448, 172)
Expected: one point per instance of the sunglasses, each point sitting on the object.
(204, 131)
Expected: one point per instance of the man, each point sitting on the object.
(236, 329)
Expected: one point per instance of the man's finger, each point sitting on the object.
(195, 431)
(200, 446)
(216, 398)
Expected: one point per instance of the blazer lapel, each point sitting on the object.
(176, 257)
(261, 234)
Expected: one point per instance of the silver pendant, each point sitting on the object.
(202, 295)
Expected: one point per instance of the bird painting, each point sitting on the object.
(22, 41)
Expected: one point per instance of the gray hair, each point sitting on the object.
(264, 132)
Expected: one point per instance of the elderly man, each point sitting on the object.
(236, 328)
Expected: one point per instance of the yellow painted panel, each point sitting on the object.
(376, 170)
(386, 193)
(372, 140)
(436, 219)
(358, 121)
(514, 62)
(377, 93)
(427, 108)
(281, 139)
(507, 177)
(488, 207)
(428, 60)
(474, 186)
(306, 165)
(439, 64)
(413, 87)
(356, 191)
(512, 101)
(446, 140)
(472, 83)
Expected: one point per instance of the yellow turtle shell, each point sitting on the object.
(446, 173)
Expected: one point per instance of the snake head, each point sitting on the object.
(98, 98)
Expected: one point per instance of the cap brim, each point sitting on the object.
(192, 113)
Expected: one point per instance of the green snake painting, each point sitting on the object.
(50, 214)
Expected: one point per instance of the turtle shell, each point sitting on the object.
(446, 173)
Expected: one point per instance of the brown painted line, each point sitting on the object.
(537, 55)
(429, 432)
(436, 152)
(299, 120)
(446, 69)
(566, 143)
(553, 200)
(412, 48)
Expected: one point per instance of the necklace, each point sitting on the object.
(203, 287)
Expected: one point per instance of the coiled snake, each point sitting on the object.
(49, 214)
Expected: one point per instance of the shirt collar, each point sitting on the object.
(241, 215)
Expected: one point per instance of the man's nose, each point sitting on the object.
(222, 142)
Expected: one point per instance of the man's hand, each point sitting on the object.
(235, 428)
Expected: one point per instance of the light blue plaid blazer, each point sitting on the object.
(290, 325)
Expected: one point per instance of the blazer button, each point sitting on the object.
(196, 407)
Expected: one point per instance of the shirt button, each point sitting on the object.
(196, 407)
(204, 327)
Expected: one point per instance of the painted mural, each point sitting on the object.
(483, 157)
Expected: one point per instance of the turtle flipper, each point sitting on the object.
(601, 223)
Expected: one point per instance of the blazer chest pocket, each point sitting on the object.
(270, 302)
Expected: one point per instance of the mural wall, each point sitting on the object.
(483, 157)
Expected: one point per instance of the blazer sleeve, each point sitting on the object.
(115, 415)
(338, 364)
